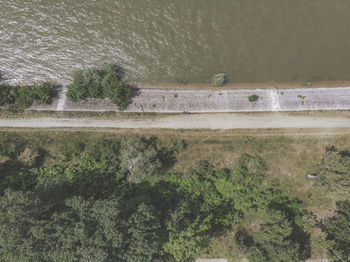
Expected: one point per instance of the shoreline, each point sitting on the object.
(247, 85)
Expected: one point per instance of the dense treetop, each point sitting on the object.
(25, 96)
(104, 82)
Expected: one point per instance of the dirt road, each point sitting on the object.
(193, 121)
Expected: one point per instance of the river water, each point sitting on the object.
(177, 40)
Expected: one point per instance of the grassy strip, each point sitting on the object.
(21, 113)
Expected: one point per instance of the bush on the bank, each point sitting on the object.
(7, 94)
(253, 98)
(100, 83)
(218, 80)
(25, 96)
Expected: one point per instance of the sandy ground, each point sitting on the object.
(193, 121)
(165, 100)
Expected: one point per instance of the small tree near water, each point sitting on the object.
(218, 80)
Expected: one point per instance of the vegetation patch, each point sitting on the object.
(124, 198)
(253, 98)
(302, 98)
(104, 82)
(24, 96)
(218, 80)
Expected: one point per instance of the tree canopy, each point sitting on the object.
(334, 173)
(112, 199)
(104, 82)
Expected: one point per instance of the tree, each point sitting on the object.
(272, 241)
(338, 232)
(103, 82)
(143, 238)
(334, 173)
(185, 243)
(36, 229)
(25, 96)
(18, 211)
(114, 88)
(139, 158)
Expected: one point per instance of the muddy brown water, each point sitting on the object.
(170, 41)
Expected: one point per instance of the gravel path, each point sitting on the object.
(208, 100)
(193, 121)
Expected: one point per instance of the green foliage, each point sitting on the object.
(272, 242)
(252, 165)
(8, 94)
(100, 83)
(218, 80)
(334, 173)
(29, 157)
(338, 232)
(217, 199)
(253, 98)
(25, 96)
(83, 230)
(186, 243)
(140, 158)
(180, 145)
(112, 200)
(143, 240)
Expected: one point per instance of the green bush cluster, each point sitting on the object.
(25, 96)
(103, 82)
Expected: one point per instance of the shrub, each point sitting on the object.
(252, 164)
(25, 96)
(218, 80)
(253, 98)
(7, 94)
(100, 83)
(28, 157)
(180, 145)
